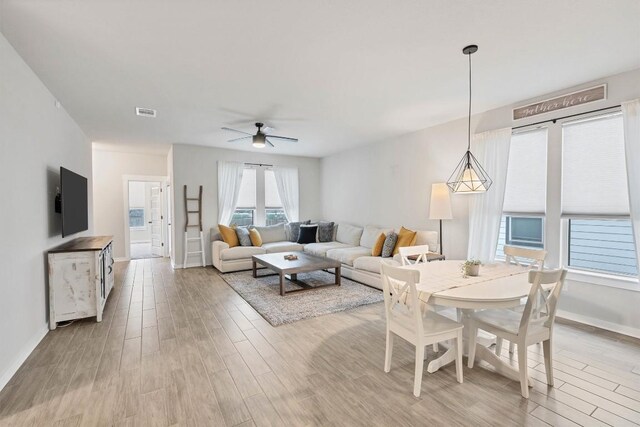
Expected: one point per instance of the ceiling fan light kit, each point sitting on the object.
(261, 138)
(469, 177)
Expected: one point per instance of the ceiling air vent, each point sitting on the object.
(145, 112)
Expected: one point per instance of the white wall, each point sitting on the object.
(389, 183)
(393, 178)
(36, 138)
(196, 165)
(109, 167)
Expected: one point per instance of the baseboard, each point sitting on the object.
(22, 356)
(120, 259)
(602, 324)
(180, 266)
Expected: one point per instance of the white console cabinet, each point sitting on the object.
(80, 278)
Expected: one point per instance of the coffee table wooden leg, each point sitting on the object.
(255, 269)
(282, 284)
(337, 276)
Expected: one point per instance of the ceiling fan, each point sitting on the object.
(261, 138)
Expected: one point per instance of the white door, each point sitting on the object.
(156, 221)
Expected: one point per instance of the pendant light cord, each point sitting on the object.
(469, 120)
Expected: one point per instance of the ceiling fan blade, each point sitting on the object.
(283, 138)
(235, 130)
(240, 139)
(269, 142)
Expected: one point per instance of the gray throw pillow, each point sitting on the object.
(293, 229)
(389, 245)
(243, 236)
(325, 231)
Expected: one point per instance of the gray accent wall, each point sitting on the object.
(36, 138)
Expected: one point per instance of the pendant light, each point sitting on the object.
(469, 177)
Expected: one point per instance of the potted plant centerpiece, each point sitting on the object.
(471, 267)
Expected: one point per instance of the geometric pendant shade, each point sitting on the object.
(469, 177)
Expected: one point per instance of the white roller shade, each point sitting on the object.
(527, 173)
(247, 196)
(594, 176)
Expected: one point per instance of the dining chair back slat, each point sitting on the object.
(535, 257)
(420, 251)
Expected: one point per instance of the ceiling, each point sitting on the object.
(335, 74)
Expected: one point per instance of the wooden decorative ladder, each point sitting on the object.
(193, 212)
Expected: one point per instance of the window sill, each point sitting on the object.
(603, 279)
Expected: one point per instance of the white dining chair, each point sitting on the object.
(533, 325)
(419, 251)
(406, 320)
(522, 257)
(533, 258)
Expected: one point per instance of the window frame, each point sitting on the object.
(260, 209)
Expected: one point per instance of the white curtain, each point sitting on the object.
(229, 180)
(485, 210)
(288, 189)
(631, 120)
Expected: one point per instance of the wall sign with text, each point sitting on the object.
(565, 101)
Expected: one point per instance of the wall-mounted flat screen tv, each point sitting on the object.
(74, 202)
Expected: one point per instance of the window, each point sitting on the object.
(245, 213)
(274, 212)
(259, 201)
(602, 245)
(136, 217)
(525, 193)
(521, 231)
(595, 202)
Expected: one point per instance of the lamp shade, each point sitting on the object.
(440, 207)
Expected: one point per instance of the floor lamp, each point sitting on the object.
(440, 207)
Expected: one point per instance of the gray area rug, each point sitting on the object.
(263, 294)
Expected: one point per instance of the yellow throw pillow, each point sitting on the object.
(406, 237)
(229, 235)
(256, 240)
(377, 247)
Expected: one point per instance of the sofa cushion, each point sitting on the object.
(241, 252)
(243, 236)
(370, 234)
(229, 235)
(372, 263)
(308, 234)
(376, 250)
(320, 249)
(325, 231)
(427, 238)
(348, 255)
(406, 238)
(256, 240)
(272, 233)
(389, 244)
(349, 234)
(292, 230)
(285, 246)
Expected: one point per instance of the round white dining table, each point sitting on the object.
(503, 287)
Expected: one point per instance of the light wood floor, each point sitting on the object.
(182, 348)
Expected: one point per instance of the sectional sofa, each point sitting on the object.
(351, 246)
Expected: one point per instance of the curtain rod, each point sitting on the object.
(258, 164)
(567, 117)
